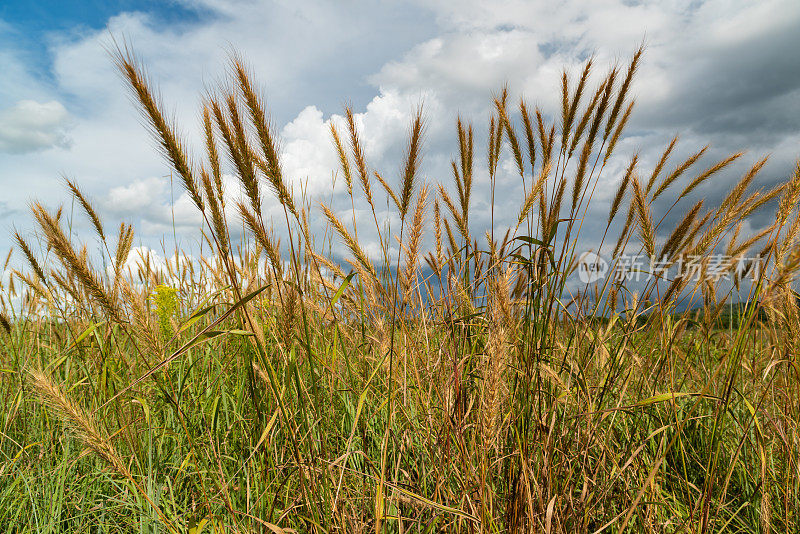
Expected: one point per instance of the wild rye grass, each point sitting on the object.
(272, 389)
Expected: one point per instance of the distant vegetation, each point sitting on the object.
(271, 388)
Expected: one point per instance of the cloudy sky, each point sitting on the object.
(718, 72)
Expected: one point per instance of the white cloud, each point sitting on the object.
(137, 196)
(151, 201)
(142, 258)
(308, 154)
(30, 126)
(700, 77)
(139, 259)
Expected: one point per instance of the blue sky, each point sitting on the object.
(36, 19)
(32, 26)
(719, 72)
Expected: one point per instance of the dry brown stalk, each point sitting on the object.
(706, 174)
(565, 105)
(492, 154)
(555, 209)
(511, 135)
(79, 421)
(437, 219)
(87, 207)
(350, 242)
(733, 198)
(415, 237)
(602, 106)
(26, 251)
(242, 155)
(344, 162)
(670, 247)
(493, 390)
(169, 142)
(738, 250)
(580, 174)
(217, 215)
(645, 221)
(536, 191)
(213, 153)
(75, 262)
(587, 115)
(358, 155)
(450, 238)
(457, 215)
(790, 197)
(254, 224)
(529, 134)
(670, 179)
(269, 162)
(388, 189)
(544, 140)
(623, 90)
(576, 98)
(618, 131)
(623, 186)
(660, 165)
(124, 244)
(85, 428)
(756, 200)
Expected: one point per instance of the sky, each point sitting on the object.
(718, 72)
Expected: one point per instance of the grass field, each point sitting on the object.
(456, 387)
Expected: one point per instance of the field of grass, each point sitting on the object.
(456, 387)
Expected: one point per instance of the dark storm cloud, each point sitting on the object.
(748, 89)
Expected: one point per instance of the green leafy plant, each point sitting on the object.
(165, 300)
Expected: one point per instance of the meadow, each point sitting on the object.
(451, 383)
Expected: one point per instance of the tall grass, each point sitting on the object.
(461, 387)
